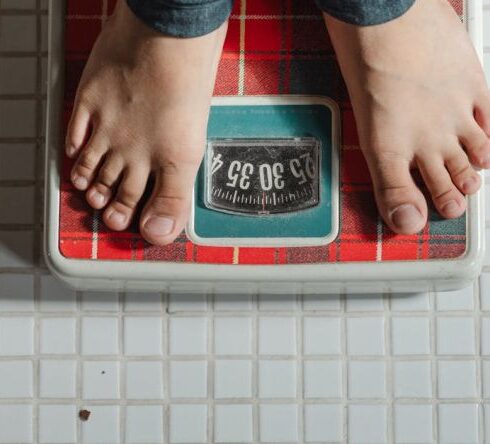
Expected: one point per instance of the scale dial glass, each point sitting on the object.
(258, 177)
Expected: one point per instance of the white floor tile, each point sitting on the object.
(16, 423)
(457, 379)
(100, 380)
(17, 379)
(277, 336)
(181, 416)
(57, 424)
(458, 423)
(233, 423)
(58, 379)
(144, 380)
(277, 379)
(233, 335)
(322, 379)
(323, 422)
(412, 379)
(278, 423)
(188, 379)
(413, 423)
(144, 424)
(367, 424)
(188, 336)
(456, 336)
(366, 380)
(102, 426)
(233, 379)
(410, 336)
(365, 336)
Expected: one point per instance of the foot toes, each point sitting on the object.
(167, 210)
(98, 195)
(449, 202)
(477, 145)
(400, 202)
(101, 190)
(117, 216)
(77, 131)
(87, 163)
(462, 173)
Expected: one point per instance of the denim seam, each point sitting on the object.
(183, 22)
(374, 19)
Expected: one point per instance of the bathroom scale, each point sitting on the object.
(283, 200)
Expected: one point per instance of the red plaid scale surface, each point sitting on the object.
(272, 47)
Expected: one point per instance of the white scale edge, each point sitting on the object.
(317, 278)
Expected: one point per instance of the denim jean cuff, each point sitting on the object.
(365, 12)
(182, 18)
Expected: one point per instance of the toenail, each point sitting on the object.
(117, 217)
(97, 197)
(80, 182)
(486, 161)
(159, 226)
(406, 217)
(468, 184)
(451, 207)
(71, 150)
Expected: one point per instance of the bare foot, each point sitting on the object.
(145, 99)
(420, 100)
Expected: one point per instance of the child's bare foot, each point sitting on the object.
(145, 99)
(419, 96)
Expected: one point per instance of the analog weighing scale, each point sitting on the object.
(283, 200)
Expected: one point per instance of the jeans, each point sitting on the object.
(192, 18)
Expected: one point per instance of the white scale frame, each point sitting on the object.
(316, 278)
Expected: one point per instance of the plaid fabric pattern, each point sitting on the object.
(272, 47)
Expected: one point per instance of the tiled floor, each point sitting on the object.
(155, 368)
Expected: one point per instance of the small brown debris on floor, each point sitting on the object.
(84, 415)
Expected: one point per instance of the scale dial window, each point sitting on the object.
(260, 177)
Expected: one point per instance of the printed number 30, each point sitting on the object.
(268, 176)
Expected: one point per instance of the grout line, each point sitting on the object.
(299, 325)
(433, 364)
(166, 366)
(164, 300)
(38, 210)
(390, 411)
(210, 370)
(122, 369)
(255, 368)
(241, 58)
(78, 350)
(478, 358)
(344, 363)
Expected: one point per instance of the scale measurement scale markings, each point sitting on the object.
(257, 177)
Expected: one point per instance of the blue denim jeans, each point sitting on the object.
(192, 18)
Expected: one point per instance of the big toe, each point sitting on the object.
(167, 211)
(400, 203)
